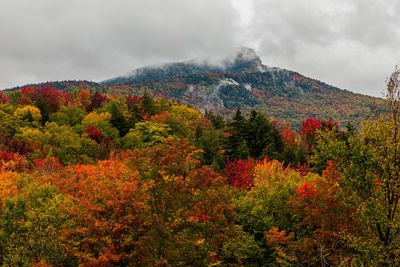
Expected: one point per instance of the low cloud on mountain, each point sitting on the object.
(350, 44)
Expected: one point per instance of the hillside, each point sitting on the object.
(66, 86)
(239, 80)
(282, 95)
(242, 81)
(95, 179)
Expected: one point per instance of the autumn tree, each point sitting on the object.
(325, 218)
(239, 172)
(46, 98)
(29, 113)
(266, 205)
(31, 222)
(188, 207)
(310, 132)
(376, 181)
(97, 100)
(107, 214)
(3, 98)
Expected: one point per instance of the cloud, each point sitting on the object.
(352, 44)
(91, 39)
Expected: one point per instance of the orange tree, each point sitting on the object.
(107, 213)
(188, 206)
(151, 206)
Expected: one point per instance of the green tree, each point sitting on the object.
(211, 142)
(147, 104)
(373, 174)
(236, 146)
(31, 222)
(62, 141)
(262, 137)
(68, 115)
(146, 134)
(118, 120)
(217, 120)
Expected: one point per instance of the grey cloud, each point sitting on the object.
(348, 43)
(52, 39)
(352, 44)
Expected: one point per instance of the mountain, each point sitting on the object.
(239, 80)
(242, 60)
(242, 81)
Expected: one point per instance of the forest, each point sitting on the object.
(285, 96)
(95, 179)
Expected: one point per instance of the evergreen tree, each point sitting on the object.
(237, 147)
(262, 137)
(44, 108)
(217, 120)
(148, 105)
(118, 120)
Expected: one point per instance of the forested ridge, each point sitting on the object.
(239, 81)
(92, 178)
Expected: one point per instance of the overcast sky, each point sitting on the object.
(351, 44)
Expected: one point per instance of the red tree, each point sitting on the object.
(325, 216)
(240, 172)
(3, 98)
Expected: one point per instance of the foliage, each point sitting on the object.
(375, 181)
(266, 204)
(31, 221)
(93, 179)
(10, 161)
(62, 141)
(97, 100)
(68, 115)
(29, 113)
(189, 208)
(102, 121)
(46, 98)
(146, 134)
(109, 190)
(3, 98)
(240, 172)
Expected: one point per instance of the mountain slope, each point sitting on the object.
(66, 86)
(242, 81)
(283, 95)
(239, 81)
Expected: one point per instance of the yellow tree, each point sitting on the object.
(373, 173)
